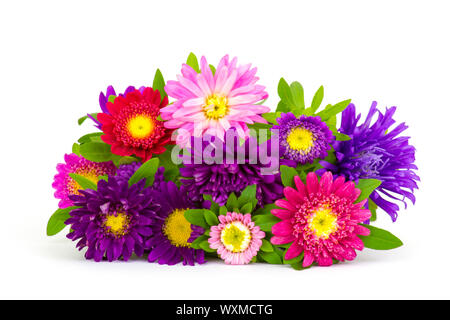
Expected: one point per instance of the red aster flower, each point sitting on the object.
(132, 127)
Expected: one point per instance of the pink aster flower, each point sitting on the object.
(236, 238)
(66, 186)
(321, 220)
(212, 104)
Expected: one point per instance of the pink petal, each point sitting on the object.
(294, 251)
(312, 183)
(282, 228)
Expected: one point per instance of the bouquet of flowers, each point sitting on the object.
(199, 168)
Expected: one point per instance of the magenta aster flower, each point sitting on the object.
(236, 238)
(212, 104)
(66, 186)
(321, 220)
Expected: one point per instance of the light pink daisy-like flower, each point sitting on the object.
(212, 104)
(321, 220)
(236, 238)
(66, 186)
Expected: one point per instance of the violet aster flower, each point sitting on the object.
(112, 221)
(126, 171)
(303, 139)
(376, 152)
(221, 179)
(172, 235)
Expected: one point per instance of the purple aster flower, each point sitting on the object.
(303, 139)
(113, 221)
(126, 171)
(172, 234)
(221, 179)
(375, 152)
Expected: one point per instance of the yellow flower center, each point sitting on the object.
(236, 236)
(141, 126)
(117, 223)
(177, 229)
(74, 187)
(323, 222)
(300, 139)
(215, 107)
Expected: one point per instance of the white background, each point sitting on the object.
(56, 56)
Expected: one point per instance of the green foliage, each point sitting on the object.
(146, 171)
(96, 151)
(332, 110)
(380, 239)
(196, 217)
(292, 100)
(265, 221)
(56, 223)
(287, 176)
(367, 186)
(82, 119)
(159, 83)
(76, 149)
(373, 209)
(192, 61)
(271, 117)
(84, 182)
(91, 137)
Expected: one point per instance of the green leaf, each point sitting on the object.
(270, 257)
(213, 69)
(298, 97)
(246, 208)
(317, 100)
(95, 136)
(159, 83)
(266, 246)
(247, 195)
(380, 239)
(341, 137)
(332, 110)
(282, 107)
(266, 209)
(271, 117)
(76, 149)
(96, 151)
(287, 176)
(285, 93)
(196, 243)
(196, 217)
(56, 222)
(265, 221)
(146, 171)
(205, 246)
(192, 61)
(223, 210)
(84, 182)
(214, 206)
(295, 260)
(82, 119)
(210, 217)
(373, 209)
(367, 186)
(232, 202)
